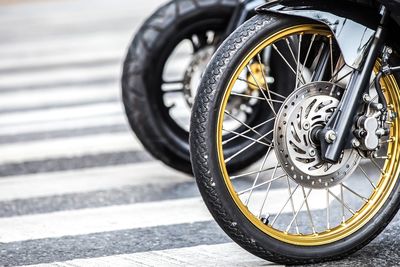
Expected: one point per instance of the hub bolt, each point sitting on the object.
(311, 152)
(306, 125)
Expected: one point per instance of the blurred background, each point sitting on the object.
(76, 187)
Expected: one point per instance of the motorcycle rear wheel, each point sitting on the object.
(143, 76)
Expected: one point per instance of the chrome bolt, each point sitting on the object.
(355, 143)
(306, 125)
(330, 136)
(366, 98)
(311, 152)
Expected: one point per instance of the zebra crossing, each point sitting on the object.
(76, 187)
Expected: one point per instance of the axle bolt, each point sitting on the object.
(330, 136)
(311, 152)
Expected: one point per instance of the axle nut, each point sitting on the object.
(330, 136)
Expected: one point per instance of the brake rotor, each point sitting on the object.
(308, 108)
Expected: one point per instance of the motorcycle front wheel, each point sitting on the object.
(290, 207)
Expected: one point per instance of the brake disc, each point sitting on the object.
(308, 108)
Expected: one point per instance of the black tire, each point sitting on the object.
(147, 55)
(209, 177)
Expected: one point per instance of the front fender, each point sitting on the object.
(354, 25)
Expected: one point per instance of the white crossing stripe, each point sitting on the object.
(122, 217)
(76, 74)
(78, 94)
(69, 147)
(60, 114)
(63, 125)
(88, 180)
(98, 220)
(70, 46)
(47, 60)
(224, 255)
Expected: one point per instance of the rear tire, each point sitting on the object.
(147, 54)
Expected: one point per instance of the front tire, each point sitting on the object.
(253, 231)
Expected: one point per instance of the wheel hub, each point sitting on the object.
(304, 112)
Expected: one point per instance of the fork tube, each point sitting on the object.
(341, 123)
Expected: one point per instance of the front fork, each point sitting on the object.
(334, 135)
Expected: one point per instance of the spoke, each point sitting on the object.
(344, 76)
(342, 202)
(295, 60)
(382, 157)
(268, 189)
(256, 97)
(261, 89)
(308, 53)
(251, 173)
(327, 210)
(366, 176)
(297, 213)
(253, 84)
(247, 137)
(247, 147)
(377, 166)
(308, 211)
(198, 41)
(244, 124)
(331, 53)
(284, 59)
(290, 49)
(172, 86)
(281, 210)
(298, 73)
(249, 130)
(390, 140)
(259, 185)
(265, 81)
(172, 81)
(292, 204)
(258, 175)
(355, 193)
(337, 72)
(344, 205)
(177, 90)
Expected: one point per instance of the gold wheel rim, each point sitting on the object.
(383, 188)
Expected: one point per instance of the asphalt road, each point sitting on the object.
(76, 187)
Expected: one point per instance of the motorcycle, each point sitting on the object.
(328, 180)
(163, 68)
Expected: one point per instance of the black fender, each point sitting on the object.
(353, 25)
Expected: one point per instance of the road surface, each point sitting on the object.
(76, 187)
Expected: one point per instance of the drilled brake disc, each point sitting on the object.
(306, 109)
